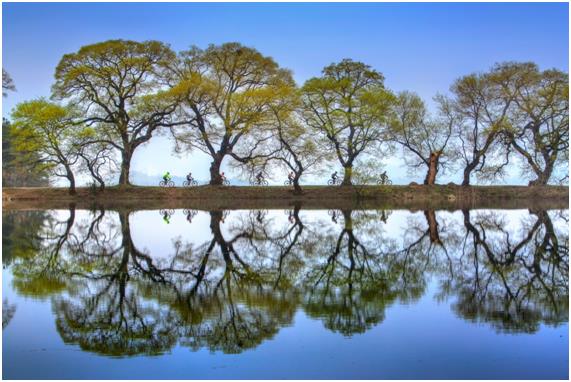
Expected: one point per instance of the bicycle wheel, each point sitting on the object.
(264, 183)
(186, 183)
(389, 182)
(331, 182)
(162, 183)
(171, 183)
(225, 182)
(194, 183)
(287, 183)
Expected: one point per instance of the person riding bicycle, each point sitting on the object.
(384, 177)
(291, 176)
(189, 177)
(223, 176)
(167, 177)
(259, 177)
(334, 177)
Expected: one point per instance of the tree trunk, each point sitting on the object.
(347, 175)
(432, 226)
(432, 168)
(71, 178)
(543, 176)
(467, 172)
(125, 168)
(296, 186)
(215, 177)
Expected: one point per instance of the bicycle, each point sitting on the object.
(189, 182)
(168, 183)
(384, 181)
(225, 181)
(334, 181)
(260, 182)
(288, 182)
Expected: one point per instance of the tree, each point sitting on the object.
(117, 86)
(228, 92)
(294, 148)
(482, 112)
(47, 130)
(20, 169)
(539, 127)
(99, 160)
(350, 106)
(7, 83)
(425, 137)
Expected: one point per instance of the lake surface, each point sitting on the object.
(285, 294)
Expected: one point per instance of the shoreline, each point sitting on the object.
(448, 197)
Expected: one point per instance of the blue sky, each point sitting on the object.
(419, 47)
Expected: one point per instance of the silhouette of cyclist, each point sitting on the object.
(334, 176)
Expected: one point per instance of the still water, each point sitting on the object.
(285, 294)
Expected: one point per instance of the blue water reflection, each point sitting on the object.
(285, 294)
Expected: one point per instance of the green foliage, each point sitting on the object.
(350, 106)
(20, 168)
(46, 129)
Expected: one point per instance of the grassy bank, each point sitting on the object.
(208, 197)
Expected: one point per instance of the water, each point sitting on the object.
(285, 294)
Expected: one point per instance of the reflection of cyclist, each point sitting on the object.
(291, 218)
(167, 177)
(189, 217)
(166, 217)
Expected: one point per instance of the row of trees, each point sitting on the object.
(229, 100)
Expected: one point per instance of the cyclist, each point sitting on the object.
(223, 177)
(384, 177)
(167, 177)
(290, 176)
(259, 178)
(334, 177)
(189, 177)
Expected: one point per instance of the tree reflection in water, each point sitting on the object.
(239, 286)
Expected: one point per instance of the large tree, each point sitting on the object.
(539, 124)
(294, 148)
(482, 111)
(118, 85)
(46, 130)
(424, 137)
(350, 106)
(228, 93)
